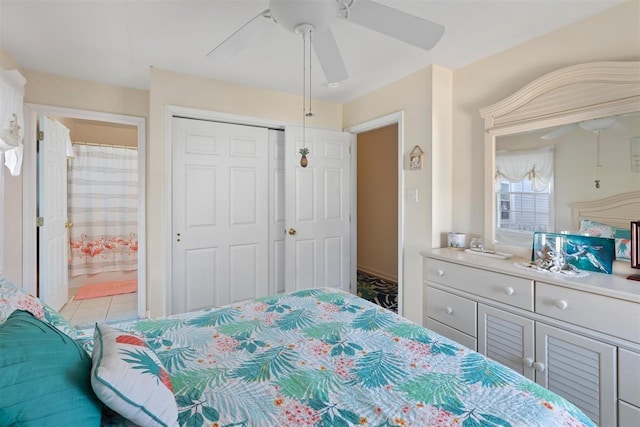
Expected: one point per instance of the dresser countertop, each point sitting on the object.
(610, 285)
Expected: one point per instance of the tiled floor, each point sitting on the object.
(90, 311)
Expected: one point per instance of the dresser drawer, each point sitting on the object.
(629, 376)
(628, 415)
(452, 310)
(511, 290)
(453, 334)
(611, 316)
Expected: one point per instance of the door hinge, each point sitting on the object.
(39, 221)
(40, 135)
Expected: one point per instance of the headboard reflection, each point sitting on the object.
(618, 210)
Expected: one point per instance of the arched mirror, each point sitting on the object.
(562, 149)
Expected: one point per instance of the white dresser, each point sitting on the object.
(578, 337)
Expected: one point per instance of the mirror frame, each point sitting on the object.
(568, 95)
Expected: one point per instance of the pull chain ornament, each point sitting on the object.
(598, 165)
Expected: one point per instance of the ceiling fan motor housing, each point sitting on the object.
(304, 16)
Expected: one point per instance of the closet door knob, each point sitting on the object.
(508, 290)
(292, 232)
(561, 304)
(538, 366)
(528, 362)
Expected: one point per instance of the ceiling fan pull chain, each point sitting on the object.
(310, 114)
(304, 87)
(598, 165)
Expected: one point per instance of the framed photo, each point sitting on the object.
(635, 244)
(416, 158)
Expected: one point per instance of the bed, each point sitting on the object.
(318, 357)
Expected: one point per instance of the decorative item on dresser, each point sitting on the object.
(544, 327)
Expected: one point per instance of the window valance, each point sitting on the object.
(12, 118)
(534, 165)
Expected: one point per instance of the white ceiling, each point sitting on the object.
(116, 41)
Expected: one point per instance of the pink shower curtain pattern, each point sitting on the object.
(103, 207)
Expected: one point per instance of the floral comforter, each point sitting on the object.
(326, 358)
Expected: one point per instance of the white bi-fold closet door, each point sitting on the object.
(248, 220)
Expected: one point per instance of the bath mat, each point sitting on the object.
(106, 289)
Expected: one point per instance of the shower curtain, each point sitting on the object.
(103, 209)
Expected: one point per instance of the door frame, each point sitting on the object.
(29, 186)
(383, 121)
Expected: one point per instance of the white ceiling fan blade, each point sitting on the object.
(324, 44)
(237, 41)
(394, 23)
(559, 132)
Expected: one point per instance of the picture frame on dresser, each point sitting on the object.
(635, 250)
(635, 244)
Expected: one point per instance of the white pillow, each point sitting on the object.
(129, 378)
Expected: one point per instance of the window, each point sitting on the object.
(523, 193)
(523, 209)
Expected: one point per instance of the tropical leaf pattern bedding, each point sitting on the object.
(326, 358)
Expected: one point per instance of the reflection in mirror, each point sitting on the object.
(539, 173)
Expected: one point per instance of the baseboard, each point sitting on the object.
(377, 273)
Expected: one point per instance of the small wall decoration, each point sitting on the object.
(303, 160)
(416, 158)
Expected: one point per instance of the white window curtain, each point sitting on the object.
(103, 207)
(11, 119)
(534, 165)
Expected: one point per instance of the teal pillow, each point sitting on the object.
(44, 376)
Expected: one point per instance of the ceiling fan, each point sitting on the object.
(593, 125)
(315, 17)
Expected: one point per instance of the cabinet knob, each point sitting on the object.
(449, 310)
(561, 304)
(538, 366)
(440, 273)
(508, 290)
(528, 362)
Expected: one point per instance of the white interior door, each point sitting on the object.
(317, 207)
(220, 206)
(53, 280)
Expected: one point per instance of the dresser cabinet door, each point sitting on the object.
(507, 338)
(580, 369)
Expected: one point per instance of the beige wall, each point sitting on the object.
(50, 89)
(613, 35)
(378, 202)
(8, 63)
(415, 95)
(175, 89)
(107, 134)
